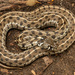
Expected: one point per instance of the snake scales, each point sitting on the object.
(36, 41)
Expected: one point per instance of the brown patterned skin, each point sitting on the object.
(55, 41)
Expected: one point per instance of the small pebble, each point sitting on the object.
(72, 4)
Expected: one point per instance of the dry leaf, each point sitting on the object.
(47, 60)
(33, 72)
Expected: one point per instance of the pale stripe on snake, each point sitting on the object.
(55, 41)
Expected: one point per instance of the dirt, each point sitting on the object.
(62, 64)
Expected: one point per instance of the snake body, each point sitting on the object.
(37, 42)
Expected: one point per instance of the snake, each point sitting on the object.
(34, 39)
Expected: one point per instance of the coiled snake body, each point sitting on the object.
(36, 41)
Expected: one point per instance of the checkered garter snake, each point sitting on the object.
(34, 39)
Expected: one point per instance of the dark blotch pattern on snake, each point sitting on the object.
(37, 42)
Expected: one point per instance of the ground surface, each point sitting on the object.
(60, 64)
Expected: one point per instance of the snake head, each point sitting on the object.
(50, 45)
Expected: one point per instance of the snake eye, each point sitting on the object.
(50, 48)
(22, 45)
